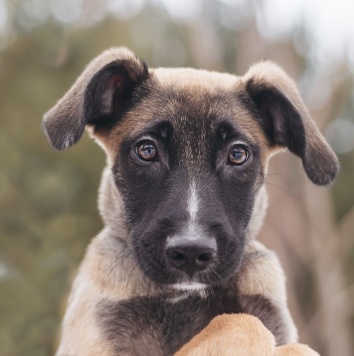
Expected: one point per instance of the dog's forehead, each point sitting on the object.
(195, 103)
(196, 99)
(194, 78)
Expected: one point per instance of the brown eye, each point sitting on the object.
(238, 155)
(146, 151)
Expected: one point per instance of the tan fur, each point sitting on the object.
(265, 276)
(295, 350)
(239, 334)
(103, 275)
(227, 334)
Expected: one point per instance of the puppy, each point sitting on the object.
(182, 198)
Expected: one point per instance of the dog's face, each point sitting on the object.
(189, 175)
(188, 152)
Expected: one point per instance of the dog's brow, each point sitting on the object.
(160, 128)
(229, 132)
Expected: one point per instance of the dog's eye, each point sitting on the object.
(238, 155)
(146, 151)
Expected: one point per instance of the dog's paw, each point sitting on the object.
(231, 334)
(239, 334)
(295, 350)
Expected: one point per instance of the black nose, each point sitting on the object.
(191, 256)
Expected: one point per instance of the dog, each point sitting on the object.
(182, 199)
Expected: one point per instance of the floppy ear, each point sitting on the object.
(96, 98)
(287, 122)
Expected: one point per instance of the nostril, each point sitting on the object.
(204, 257)
(177, 257)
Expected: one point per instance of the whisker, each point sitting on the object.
(120, 259)
(275, 173)
(278, 187)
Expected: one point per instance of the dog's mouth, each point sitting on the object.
(189, 286)
(176, 276)
(182, 290)
(188, 262)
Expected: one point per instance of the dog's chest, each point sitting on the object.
(159, 325)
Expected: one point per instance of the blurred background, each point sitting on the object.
(48, 208)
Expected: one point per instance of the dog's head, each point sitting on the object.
(188, 151)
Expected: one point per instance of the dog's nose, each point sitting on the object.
(191, 256)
